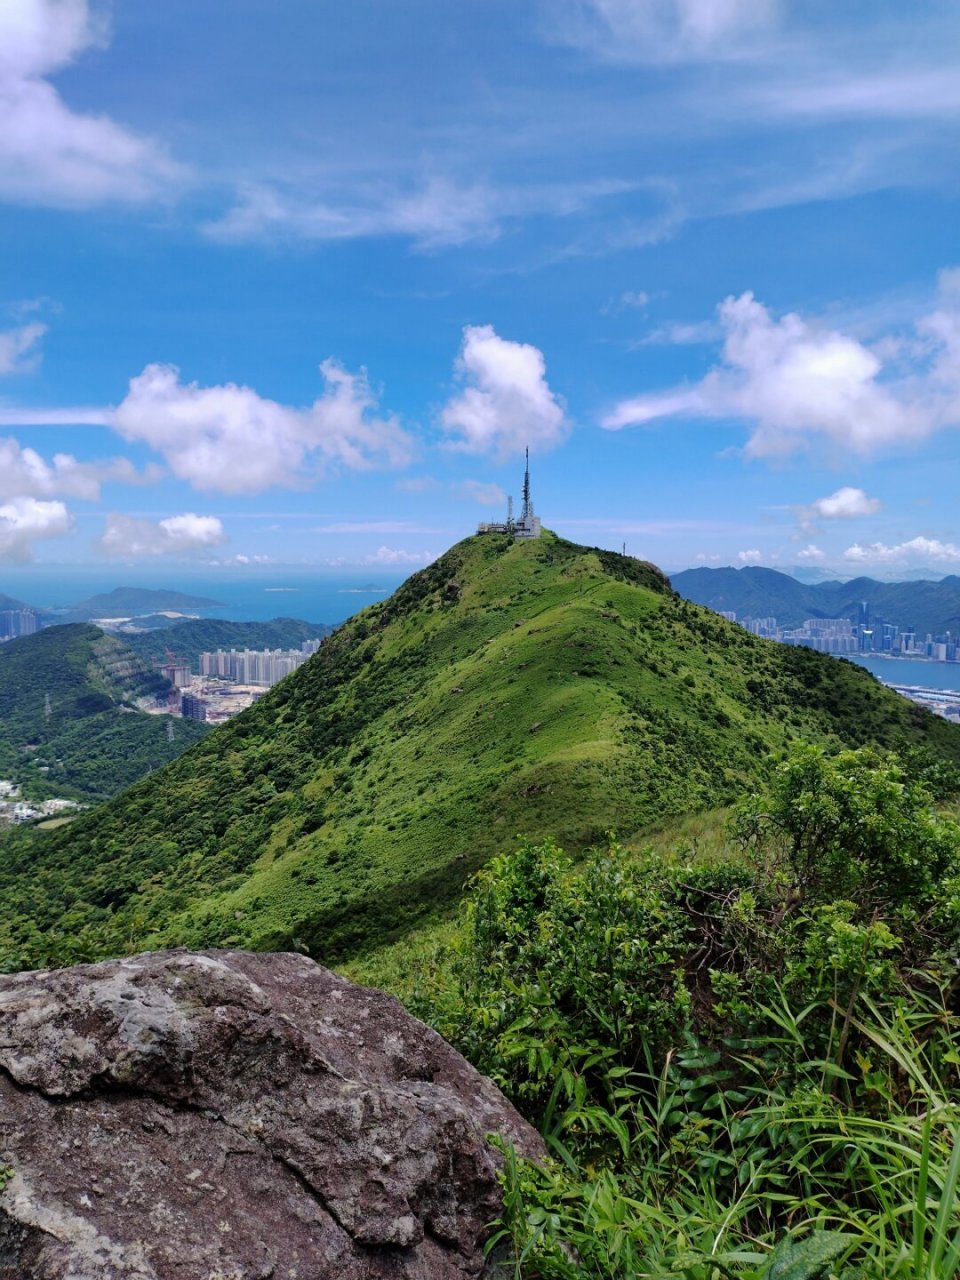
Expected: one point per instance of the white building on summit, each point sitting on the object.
(528, 526)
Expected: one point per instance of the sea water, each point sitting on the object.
(927, 674)
(247, 594)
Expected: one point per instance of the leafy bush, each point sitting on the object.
(718, 1054)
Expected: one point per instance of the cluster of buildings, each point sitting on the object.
(14, 809)
(18, 622)
(844, 636)
(230, 680)
(255, 666)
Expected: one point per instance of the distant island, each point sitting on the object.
(127, 602)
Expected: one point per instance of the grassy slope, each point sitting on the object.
(537, 688)
(66, 720)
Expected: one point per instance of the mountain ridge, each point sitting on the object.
(757, 591)
(538, 687)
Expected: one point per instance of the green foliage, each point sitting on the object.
(720, 1058)
(538, 687)
(68, 724)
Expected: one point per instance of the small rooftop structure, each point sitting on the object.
(528, 526)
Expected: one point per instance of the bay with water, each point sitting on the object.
(915, 671)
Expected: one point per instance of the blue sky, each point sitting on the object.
(298, 283)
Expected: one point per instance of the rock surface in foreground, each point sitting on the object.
(233, 1116)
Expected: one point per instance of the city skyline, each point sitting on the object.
(292, 286)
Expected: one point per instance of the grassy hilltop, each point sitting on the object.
(536, 687)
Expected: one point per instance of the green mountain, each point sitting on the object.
(185, 641)
(536, 687)
(68, 718)
(757, 592)
(125, 602)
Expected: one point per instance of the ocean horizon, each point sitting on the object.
(255, 595)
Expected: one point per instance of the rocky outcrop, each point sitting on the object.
(233, 1116)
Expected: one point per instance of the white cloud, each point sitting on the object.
(811, 554)
(794, 381)
(488, 495)
(703, 558)
(23, 472)
(49, 153)
(507, 403)
(918, 550)
(18, 347)
(24, 519)
(844, 504)
(176, 535)
(753, 556)
(396, 556)
(231, 439)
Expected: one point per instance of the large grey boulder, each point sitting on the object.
(233, 1116)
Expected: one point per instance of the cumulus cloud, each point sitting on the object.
(49, 153)
(794, 381)
(176, 535)
(506, 403)
(23, 472)
(24, 520)
(846, 503)
(752, 556)
(919, 550)
(231, 439)
(19, 347)
(811, 554)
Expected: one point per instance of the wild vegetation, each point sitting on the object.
(543, 688)
(744, 1068)
(68, 719)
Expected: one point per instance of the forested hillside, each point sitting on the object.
(537, 687)
(68, 719)
(185, 641)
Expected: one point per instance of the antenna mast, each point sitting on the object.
(527, 508)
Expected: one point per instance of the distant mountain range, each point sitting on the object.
(757, 592)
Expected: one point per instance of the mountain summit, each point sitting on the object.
(512, 686)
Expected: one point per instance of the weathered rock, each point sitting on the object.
(233, 1116)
